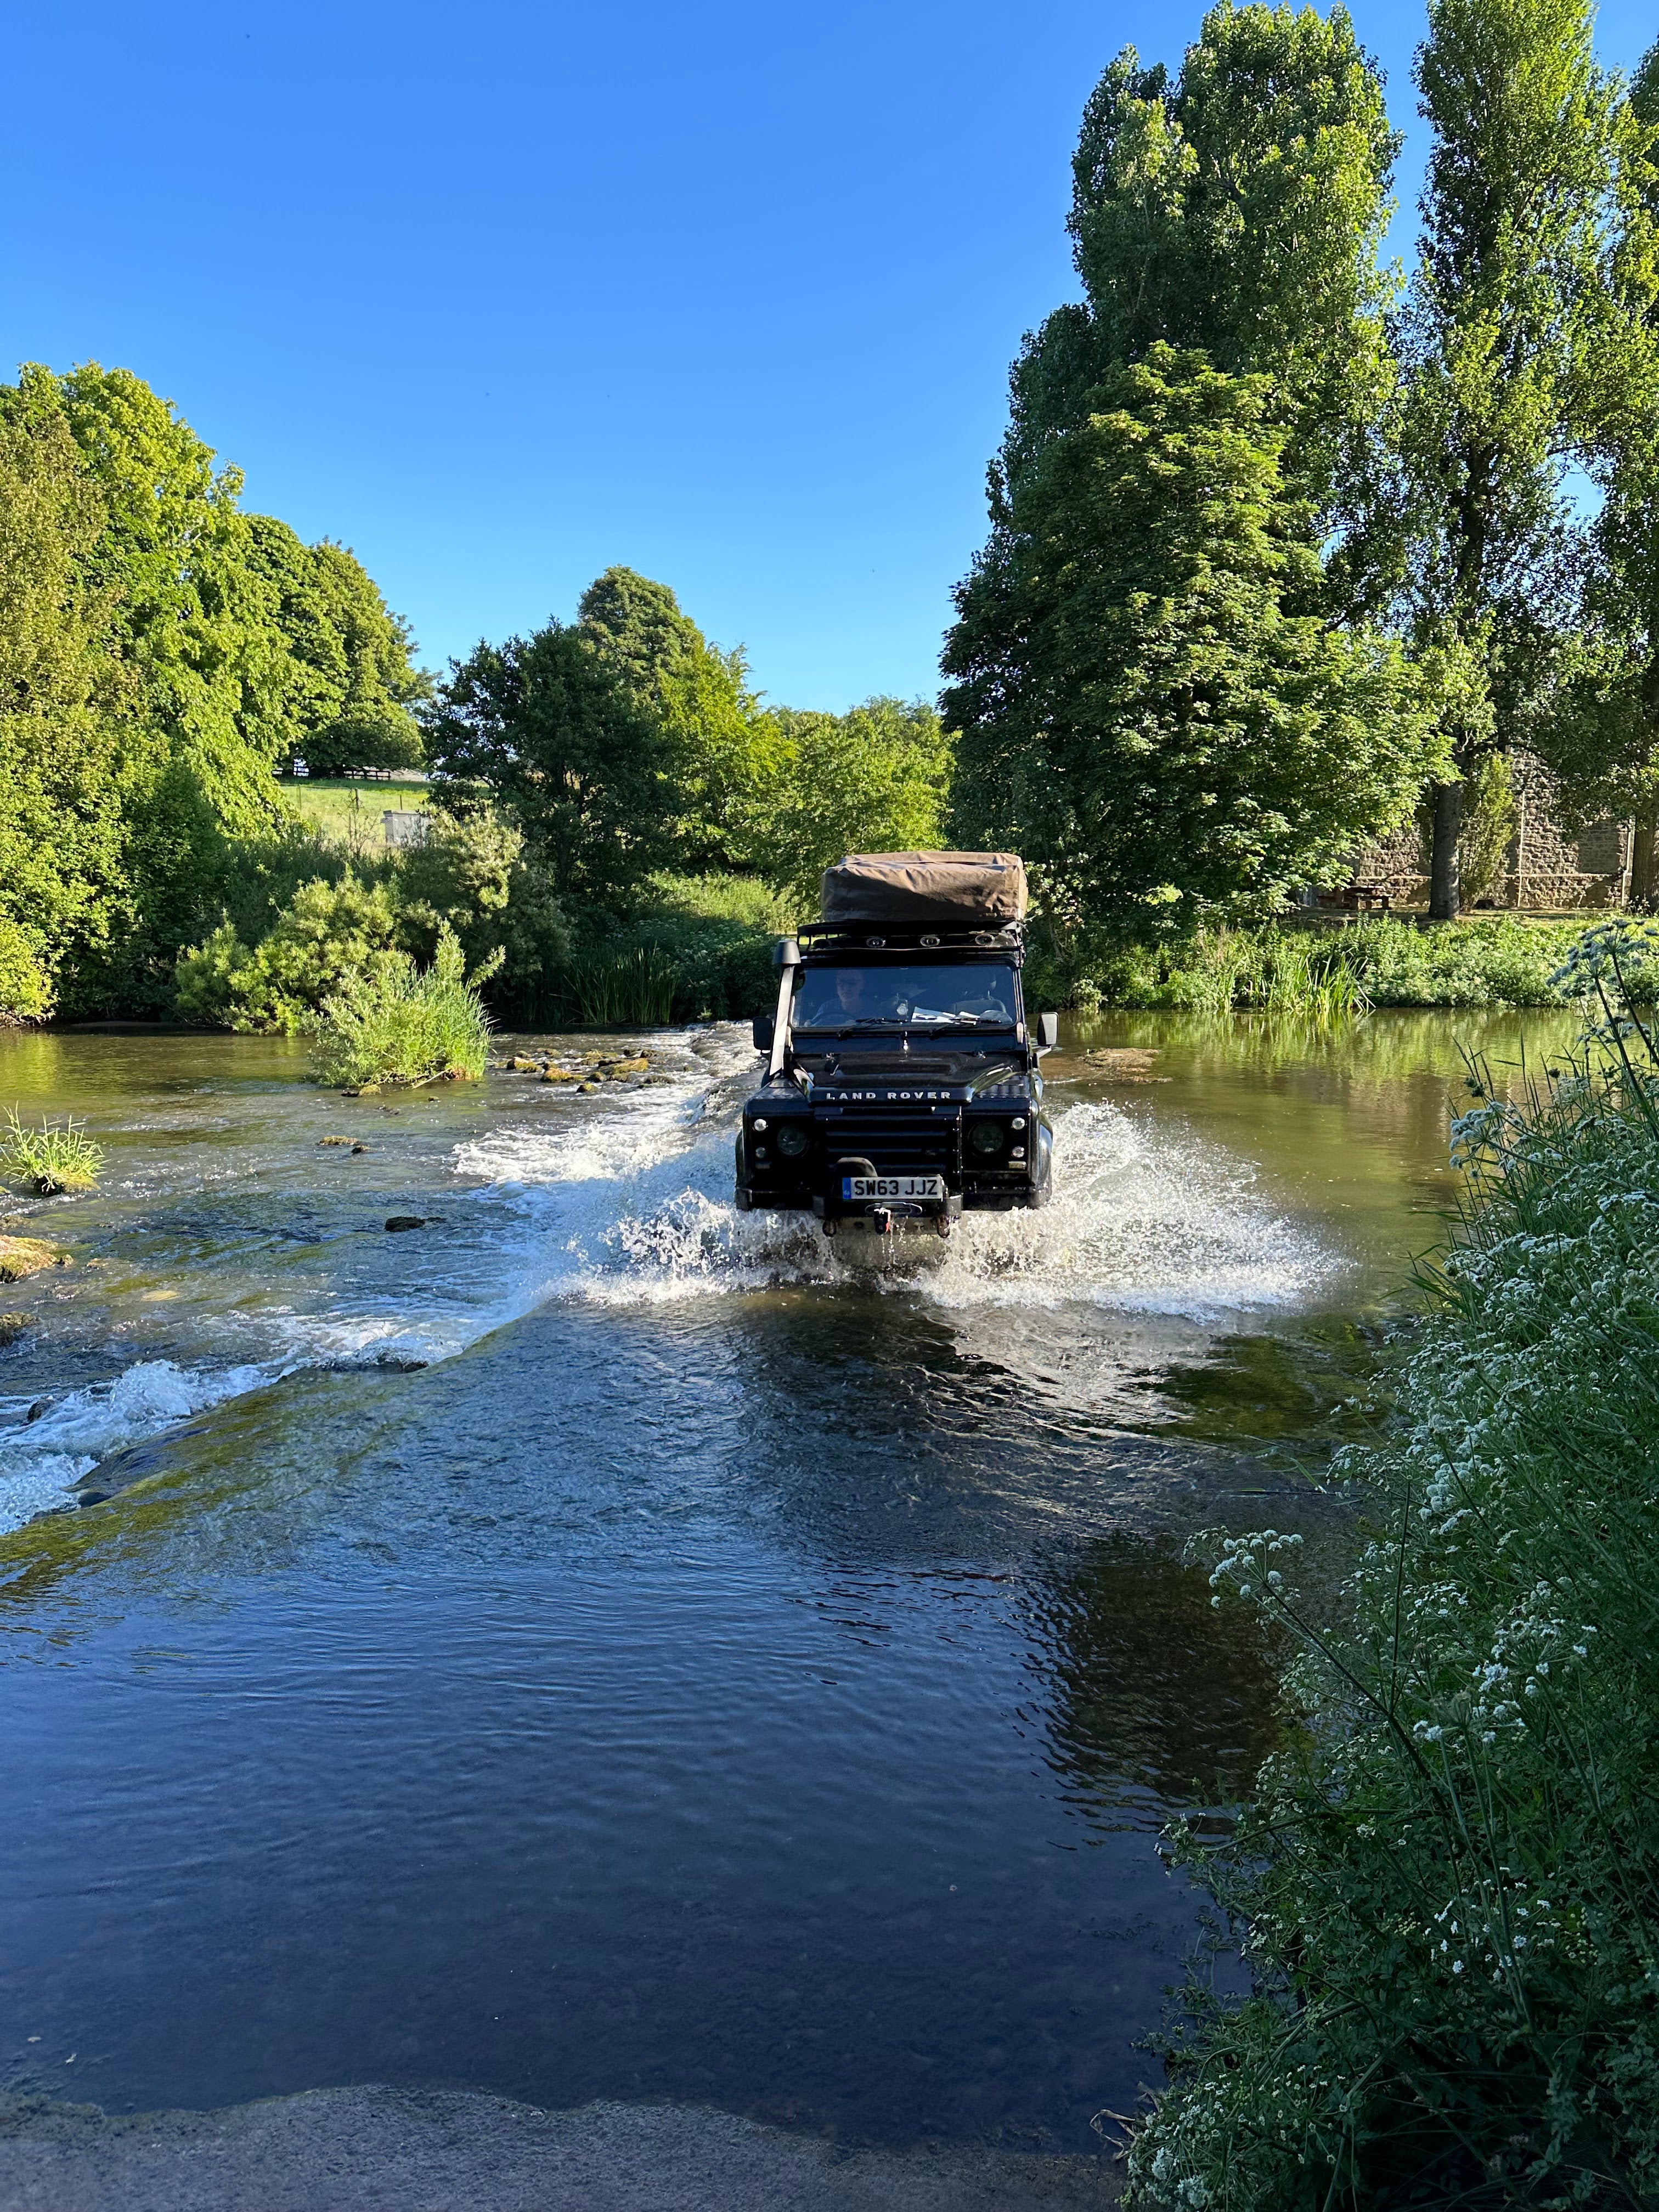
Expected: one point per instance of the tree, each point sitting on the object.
(1143, 708)
(62, 847)
(1524, 338)
(1602, 739)
(546, 727)
(721, 741)
(1237, 209)
(343, 685)
(876, 779)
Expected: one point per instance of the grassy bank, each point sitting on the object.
(346, 811)
(1450, 1879)
(1318, 967)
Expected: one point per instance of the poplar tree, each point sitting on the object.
(1524, 338)
(1226, 224)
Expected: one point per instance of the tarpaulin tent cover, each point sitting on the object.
(958, 891)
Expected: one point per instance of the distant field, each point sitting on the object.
(348, 813)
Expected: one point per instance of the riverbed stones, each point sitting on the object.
(23, 1256)
(422, 2149)
(552, 1074)
(587, 1087)
(13, 1326)
(399, 1222)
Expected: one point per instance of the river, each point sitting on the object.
(599, 1645)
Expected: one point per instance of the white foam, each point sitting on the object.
(634, 1205)
(40, 1458)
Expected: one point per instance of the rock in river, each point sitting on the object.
(398, 1221)
(23, 1256)
(12, 1326)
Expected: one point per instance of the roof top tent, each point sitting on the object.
(969, 892)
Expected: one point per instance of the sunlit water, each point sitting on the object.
(598, 1643)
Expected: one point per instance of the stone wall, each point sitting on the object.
(1545, 866)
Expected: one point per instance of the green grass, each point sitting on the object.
(1447, 1885)
(347, 813)
(403, 1026)
(1320, 969)
(55, 1158)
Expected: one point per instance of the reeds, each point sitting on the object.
(402, 1025)
(57, 1158)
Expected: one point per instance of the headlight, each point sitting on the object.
(985, 1138)
(791, 1140)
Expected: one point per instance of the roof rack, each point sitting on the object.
(879, 937)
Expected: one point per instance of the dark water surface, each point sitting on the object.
(715, 1674)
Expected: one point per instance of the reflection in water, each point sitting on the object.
(1155, 1697)
(716, 1674)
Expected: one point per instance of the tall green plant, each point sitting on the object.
(1447, 1881)
(399, 1024)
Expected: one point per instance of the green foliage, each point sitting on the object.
(1528, 340)
(547, 730)
(158, 649)
(57, 1158)
(1374, 961)
(1143, 711)
(1449, 1878)
(344, 686)
(873, 781)
(62, 851)
(635, 986)
(1602, 739)
(329, 937)
(394, 1023)
(719, 741)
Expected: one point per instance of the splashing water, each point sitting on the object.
(636, 1207)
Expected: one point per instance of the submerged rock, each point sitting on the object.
(587, 1086)
(12, 1326)
(397, 1221)
(23, 1256)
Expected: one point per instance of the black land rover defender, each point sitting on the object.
(901, 1082)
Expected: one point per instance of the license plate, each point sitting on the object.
(912, 1186)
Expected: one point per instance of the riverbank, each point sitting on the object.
(1449, 1881)
(376, 2149)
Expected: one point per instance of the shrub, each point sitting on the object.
(25, 990)
(50, 1159)
(398, 1023)
(1449, 1882)
(327, 936)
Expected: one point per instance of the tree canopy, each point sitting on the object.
(1143, 702)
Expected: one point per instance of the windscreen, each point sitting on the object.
(930, 996)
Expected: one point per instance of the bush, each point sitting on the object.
(329, 935)
(1449, 1881)
(50, 1159)
(403, 1025)
(25, 990)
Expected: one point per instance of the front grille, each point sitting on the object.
(891, 1141)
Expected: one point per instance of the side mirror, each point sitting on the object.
(764, 1026)
(1047, 1026)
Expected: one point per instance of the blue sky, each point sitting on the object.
(500, 295)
